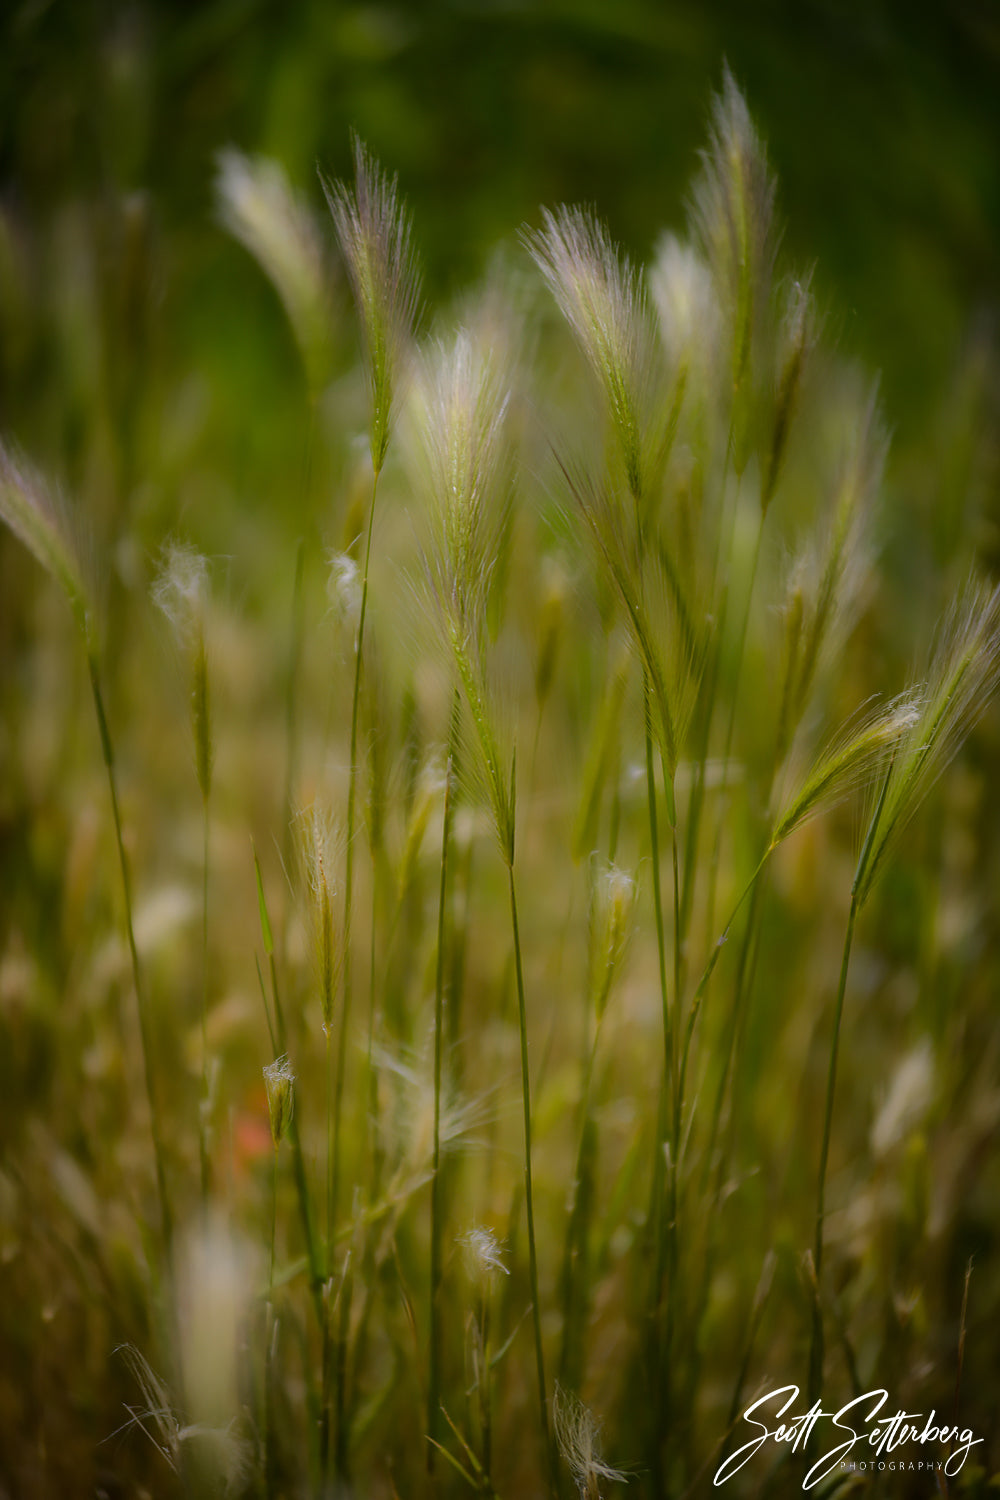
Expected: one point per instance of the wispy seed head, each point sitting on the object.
(602, 298)
(461, 407)
(259, 207)
(483, 1254)
(343, 589)
(578, 1436)
(374, 232)
(39, 517)
(733, 213)
(963, 678)
(181, 590)
(854, 761)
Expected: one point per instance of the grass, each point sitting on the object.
(449, 1083)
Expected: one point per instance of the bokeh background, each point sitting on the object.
(882, 121)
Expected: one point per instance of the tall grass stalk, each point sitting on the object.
(437, 1184)
(374, 234)
(156, 1127)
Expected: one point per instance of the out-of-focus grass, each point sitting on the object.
(166, 389)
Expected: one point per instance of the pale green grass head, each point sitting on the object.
(603, 299)
(733, 214)
(40, 518)
(374, 232)
(963, 679)
(259, 207)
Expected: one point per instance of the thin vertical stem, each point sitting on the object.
(816, 1350)
(656, 1212)
(528, 1196)
(434, 1374)
(203, 1114)
(335, 1145)
(144, 1036)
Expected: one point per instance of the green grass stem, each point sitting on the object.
(156, 1127)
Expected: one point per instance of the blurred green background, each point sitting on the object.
(883, 122)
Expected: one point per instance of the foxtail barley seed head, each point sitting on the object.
(374, 232)
(259, 207)
(964, 676)
(853, 761)
(40, 518)
(343, 589)
(733, 213)
(460, 419)
(601, 296)
(222, 1459)
(578, 1438)
(483, 1256)
(461, 405)
(279, 1080)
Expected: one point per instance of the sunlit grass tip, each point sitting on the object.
(853, 761)
(733, 214)
(465, 468)
(373, 228)
(603, 299)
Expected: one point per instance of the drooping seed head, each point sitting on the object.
(578, 1438)
(259, 207)
(853, 761)
(963, 678)
(374, 232)
(39, 517)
